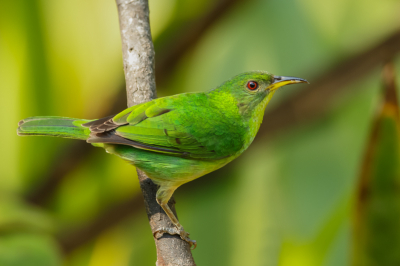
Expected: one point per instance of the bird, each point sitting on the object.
(178, 138)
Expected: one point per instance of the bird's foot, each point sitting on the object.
(175, 231)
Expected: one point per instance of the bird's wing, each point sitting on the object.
(184, 125)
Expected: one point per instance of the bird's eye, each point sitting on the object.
(252, 85)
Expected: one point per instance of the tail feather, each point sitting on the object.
(54, 126)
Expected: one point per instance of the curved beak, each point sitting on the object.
(280, 81)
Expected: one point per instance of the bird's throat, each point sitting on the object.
(257, 118)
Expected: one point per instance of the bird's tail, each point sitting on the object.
(55, 126)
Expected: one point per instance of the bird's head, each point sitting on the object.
(253, 90)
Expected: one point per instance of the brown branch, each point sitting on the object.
(63, 164)
(314, 99)
(171, 50)
(373, 186)
(138, 57)
(69, 240)
(390, 85)
(188, 35)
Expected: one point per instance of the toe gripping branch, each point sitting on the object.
(175, 231)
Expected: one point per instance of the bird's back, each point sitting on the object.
(199, 126)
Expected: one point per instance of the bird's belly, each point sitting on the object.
(163, 168)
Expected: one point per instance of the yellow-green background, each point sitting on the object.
(288, 200)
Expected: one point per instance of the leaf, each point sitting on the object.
(377, 217)
(23, 249)
(25, 235)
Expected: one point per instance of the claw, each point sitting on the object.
(175, 231)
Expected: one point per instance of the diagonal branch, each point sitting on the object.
(313, 100)
(69, 240)
(188, 35)
(138, 57)
(375, 198)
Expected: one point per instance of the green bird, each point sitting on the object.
(178, 138)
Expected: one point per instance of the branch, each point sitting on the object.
(188, 35)
(138, 57)
(70, 240)
(137, 51)
(314, 100)
(375, 198)
(63, 164)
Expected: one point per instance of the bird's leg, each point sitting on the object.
(163, 196)
(177, 230)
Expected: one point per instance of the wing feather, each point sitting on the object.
(168, 125)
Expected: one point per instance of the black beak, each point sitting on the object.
(280, 81)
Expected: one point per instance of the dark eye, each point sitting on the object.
(252, 85)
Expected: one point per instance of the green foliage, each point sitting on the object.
(28, 249)
(25, 235)
(377, 234)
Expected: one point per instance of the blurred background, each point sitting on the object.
(290, 200)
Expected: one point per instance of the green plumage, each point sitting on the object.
(178, 138)
(54, 126)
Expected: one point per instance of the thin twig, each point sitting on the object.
(138, 57)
